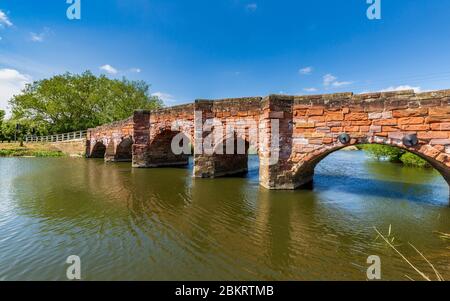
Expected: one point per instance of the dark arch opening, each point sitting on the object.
(160, 151)
(227, 158)
(124, 151)
(305, 172)
(234, 159)
(98, 151)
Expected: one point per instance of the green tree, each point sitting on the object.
(394, 154)
(383, 152)
(14, 129)
(72, 102)
(2, 117)
(410, 159)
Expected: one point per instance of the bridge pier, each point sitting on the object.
(275, 130)
(141, 126)
(214, 166)
(110, 152)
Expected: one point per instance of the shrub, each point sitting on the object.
(383, 152)
(410, 159)
(393, 154)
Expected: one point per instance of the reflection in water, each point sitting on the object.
(161, 224)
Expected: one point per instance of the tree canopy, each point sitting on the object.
(72, 102)
(2, 117)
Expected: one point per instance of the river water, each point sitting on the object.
(161, 224)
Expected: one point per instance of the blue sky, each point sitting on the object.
(229, 48)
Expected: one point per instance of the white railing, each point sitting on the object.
(56, 138)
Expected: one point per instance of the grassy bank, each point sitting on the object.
(28, 150)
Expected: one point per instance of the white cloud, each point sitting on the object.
(166, 97)
(310, 90)
(396, 88)
(331, 80)
(328, 79)
(109, 69)
(306, 70)
(113, 71)
(251, 6)
(11, 83)
(37, 37)
(40, 37)
(4, 20)
(340, 84)
(401, 88)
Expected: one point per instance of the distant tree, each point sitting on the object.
(384, 152)
(394, 154)
(8, 129)
(2, 117)
(72, 102)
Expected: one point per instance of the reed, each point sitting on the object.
(389, 240)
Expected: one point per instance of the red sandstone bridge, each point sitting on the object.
(308, 129)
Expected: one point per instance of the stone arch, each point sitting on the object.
(225, 161)
(160, 153)
(303, 172)
(98, 150)
(124, 150)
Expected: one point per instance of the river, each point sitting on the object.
(161, 224)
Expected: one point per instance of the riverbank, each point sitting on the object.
(29, 150)
(70, 148)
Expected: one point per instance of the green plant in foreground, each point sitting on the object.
(422, 274)
(443, 235)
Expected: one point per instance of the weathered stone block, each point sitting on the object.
(432, 135)
(440, 141)
(334, 116)
(314, 112)
(385, 122)
(410, 113)
(411, 120)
